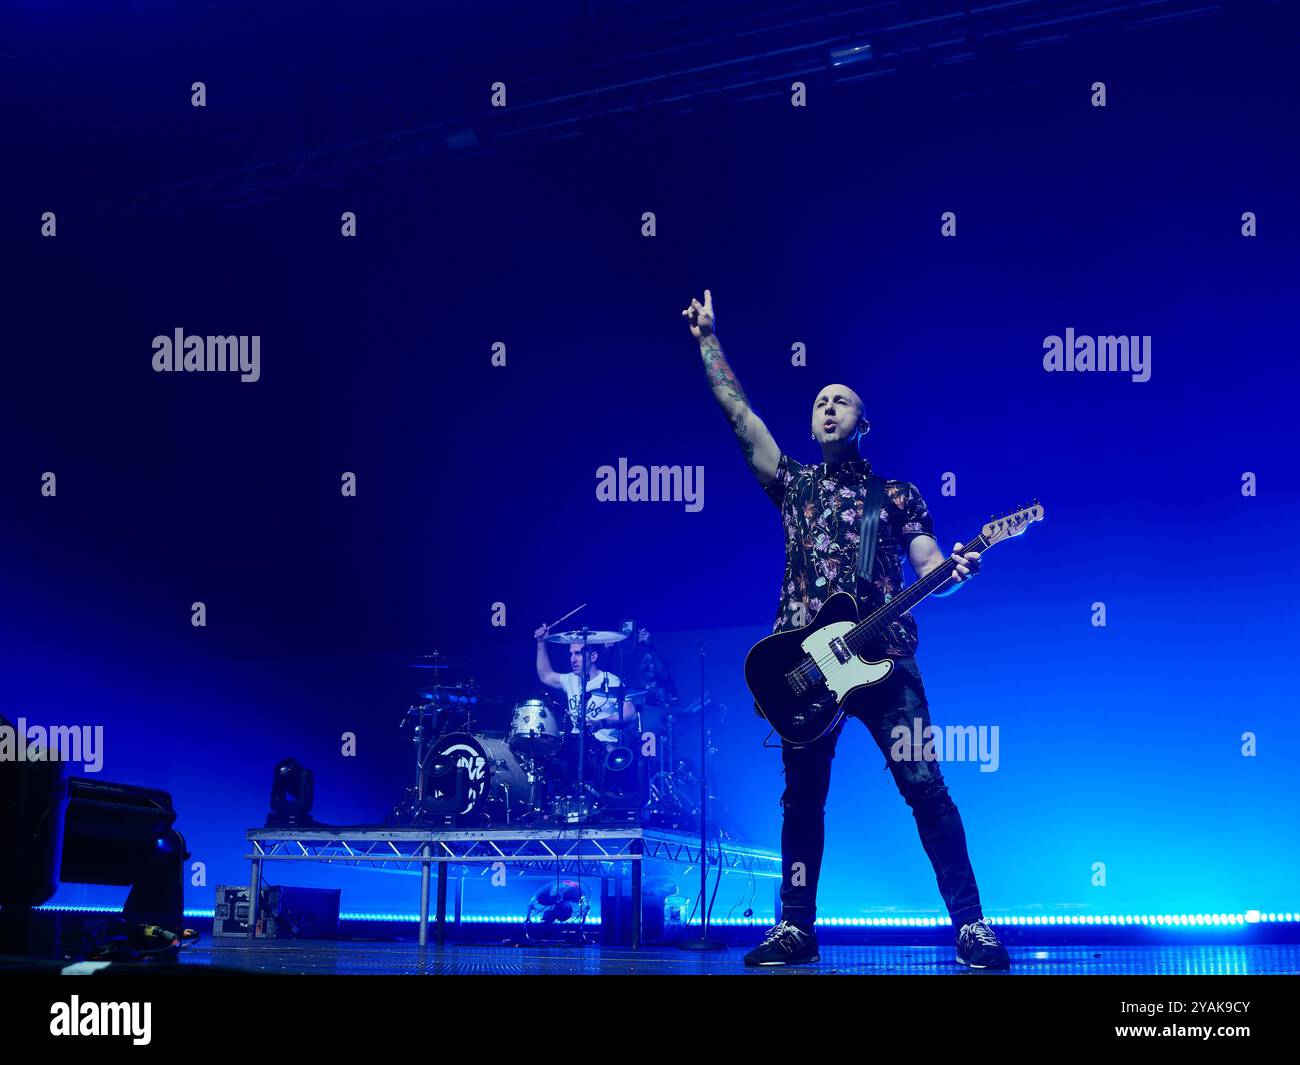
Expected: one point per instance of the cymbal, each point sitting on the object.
(592, 637)
(434, 660)
(436, 684)
(454, 692)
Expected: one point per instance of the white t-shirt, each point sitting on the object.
(598, 704)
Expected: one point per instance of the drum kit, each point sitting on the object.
(543, 768)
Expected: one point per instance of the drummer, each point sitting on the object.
(605, 719)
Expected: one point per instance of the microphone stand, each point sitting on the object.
(704, 943)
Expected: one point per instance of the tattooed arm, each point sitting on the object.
(756, 442)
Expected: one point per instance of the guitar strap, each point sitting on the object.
(870, 532)
(870, 527)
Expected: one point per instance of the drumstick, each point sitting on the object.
(565, 618)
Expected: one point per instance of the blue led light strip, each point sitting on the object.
(1159, 920)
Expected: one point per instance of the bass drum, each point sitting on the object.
(496, 785)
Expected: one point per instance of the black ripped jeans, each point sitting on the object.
(899, 700)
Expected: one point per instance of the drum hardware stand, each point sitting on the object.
(410, 809)
(704, 943)
(530, 766)
(666, 779)
(583, 810)
(666, 797)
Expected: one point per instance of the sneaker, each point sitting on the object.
(979, 948)
(785, 945)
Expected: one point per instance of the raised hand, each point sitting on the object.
(700, 316)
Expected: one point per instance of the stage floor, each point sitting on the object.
(380, 958)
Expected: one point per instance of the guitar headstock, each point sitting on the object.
(1012, 524)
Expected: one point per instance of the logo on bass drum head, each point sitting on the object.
(474, 764)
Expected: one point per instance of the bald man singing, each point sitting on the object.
(822, 507)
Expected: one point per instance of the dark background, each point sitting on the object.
(817, 225)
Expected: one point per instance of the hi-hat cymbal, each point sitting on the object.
(591, 637)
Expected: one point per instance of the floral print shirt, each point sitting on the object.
(821, 508)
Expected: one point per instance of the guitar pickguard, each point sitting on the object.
(841, 677)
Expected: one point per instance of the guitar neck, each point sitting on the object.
(874, 624)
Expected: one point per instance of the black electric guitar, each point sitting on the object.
(804, 680)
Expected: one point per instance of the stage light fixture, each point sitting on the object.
(292, 788)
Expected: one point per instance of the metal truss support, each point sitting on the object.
(593, 852)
